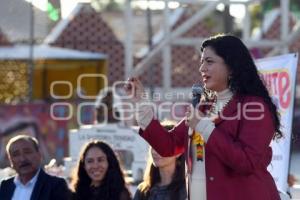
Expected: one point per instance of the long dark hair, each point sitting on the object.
(245, 79)
(152, 178)
(113, 185)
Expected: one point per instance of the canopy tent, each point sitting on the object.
(50, 64)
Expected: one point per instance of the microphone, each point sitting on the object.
(197, 91)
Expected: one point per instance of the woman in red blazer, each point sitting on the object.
(229, 150)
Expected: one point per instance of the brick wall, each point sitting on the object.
(88, 32)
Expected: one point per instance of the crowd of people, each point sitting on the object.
(213, 153)
(97, 176)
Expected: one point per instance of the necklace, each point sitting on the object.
(217, 108)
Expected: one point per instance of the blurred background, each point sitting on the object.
(57, 54)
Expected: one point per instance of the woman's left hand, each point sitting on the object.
(193, 116)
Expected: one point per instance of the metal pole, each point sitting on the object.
(227, 19)
(208, 8)
(30, 59)
(167, 73)
(150, 45)
(129, 39)
(284, 4)
(186, 41)
(247, 23)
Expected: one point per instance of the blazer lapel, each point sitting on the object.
(11, 188)
(230, 109)
(38, 186)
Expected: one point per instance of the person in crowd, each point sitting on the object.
(98, 175)
(227, 136)
(109, 114)
(31, 181)
(164, 177)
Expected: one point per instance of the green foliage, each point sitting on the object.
(258, 10)
(112, 6)
(268, 5)
(256, 15)
(53, 13)
(108, 5)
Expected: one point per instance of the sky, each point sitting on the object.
(236, 10)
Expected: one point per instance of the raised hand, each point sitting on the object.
(135, 90)
(192, 117)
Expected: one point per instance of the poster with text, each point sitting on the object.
(279, 74)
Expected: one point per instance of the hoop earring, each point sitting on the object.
(229, 78)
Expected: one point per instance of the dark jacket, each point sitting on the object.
(47, 187)
(95, 193)
(160, 193)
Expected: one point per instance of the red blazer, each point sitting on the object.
(237, 151)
